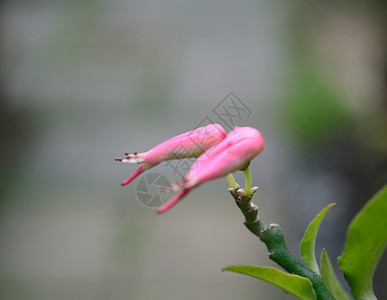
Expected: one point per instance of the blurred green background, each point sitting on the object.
(82, 82)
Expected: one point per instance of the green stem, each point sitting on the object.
(250, 211)
(248, 181)
(274, 240)
(231, 181)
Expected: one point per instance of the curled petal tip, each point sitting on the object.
(133, 176)
(173, 201)
(126, 182)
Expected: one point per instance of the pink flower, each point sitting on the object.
(185, 145)
(233, 153)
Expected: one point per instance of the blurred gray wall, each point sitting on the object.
(85, 81)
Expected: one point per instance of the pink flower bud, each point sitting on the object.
(186, 145)
(233, 153)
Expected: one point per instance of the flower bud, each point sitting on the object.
(233, 153)
(186, 145)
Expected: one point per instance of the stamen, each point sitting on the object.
(132, 160)
(135, 158)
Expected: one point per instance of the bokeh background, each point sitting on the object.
(82, 82)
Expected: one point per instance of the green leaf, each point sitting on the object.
(365, 244)
(294, 285)
(307, 246)
(330, 279)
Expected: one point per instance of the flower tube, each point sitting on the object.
(186, 145)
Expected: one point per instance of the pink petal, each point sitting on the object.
(134, 175)
(173, 201)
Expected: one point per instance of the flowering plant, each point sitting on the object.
(219, 155)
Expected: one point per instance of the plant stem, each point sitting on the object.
(248, 181)
(250, 211)
(231, 181)
(274, 240)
